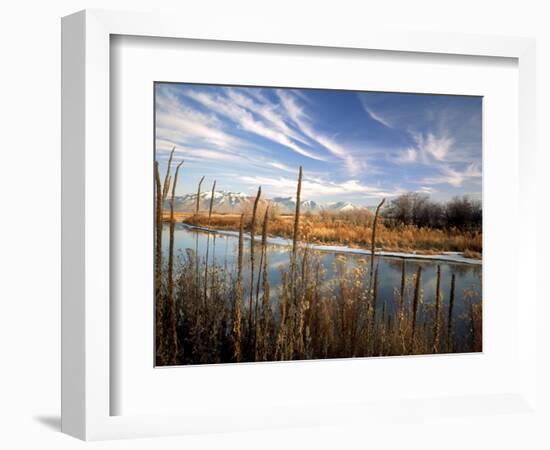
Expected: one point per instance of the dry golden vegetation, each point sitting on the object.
(206, 313)
(355, 229)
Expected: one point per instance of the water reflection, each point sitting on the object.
(223, 252)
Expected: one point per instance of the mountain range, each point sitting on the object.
(234, 202)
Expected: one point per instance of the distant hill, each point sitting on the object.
(234, 202)
(224, 202)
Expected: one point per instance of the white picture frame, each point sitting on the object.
(86, 220)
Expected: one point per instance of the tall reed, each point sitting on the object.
(198, 203)
(384, 328)
(197, 276)
(171, 301)
(252, 238)
(266, 312)
(416, 300)
(300, 344)
(208, 243)
(282, 335)
(450, 316)
(402, 299)
(159, 306)
(371, 312)
(265, 303)
(437, 324)
(375, 295)
(370, 297)
(238, 297)
(373, 236)
(402, 288)
(167, 177)
(293, 262)
(263, 253)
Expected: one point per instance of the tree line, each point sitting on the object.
(418, 209)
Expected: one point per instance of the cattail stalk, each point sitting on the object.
(416, 300)
(437, 324)
(281, 344)
(302, 306)
(402, 292)
(374, 296)
(158, 269)
(450, 316)
(238, 298)
(472, 325)
(371, 310)
(208, 243)
(197, 277)
(266, 310)
(198, 202)
(371, 271)
(251, 297)
(373, 236)
(168, 176)
(172, 303)
(263, 255)
(262, 330)
(384, 328)
(295, 237)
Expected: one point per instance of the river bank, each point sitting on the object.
(456, 257)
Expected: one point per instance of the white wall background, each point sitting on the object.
(30, 198)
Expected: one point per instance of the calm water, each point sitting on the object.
(223, 251)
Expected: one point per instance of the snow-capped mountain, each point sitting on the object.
(288, 204)
(223, 201)
(234, 202)
(343, 207)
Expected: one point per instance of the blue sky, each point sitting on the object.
(353, 146)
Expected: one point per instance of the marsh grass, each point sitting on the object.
(354, 229)
(309, 315)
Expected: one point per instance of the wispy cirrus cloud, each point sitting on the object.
(304, 123)
(454, 177)
(316, 188)
(183, 125)
(444, 140)
(376, 116)
(382, 146)
(410, 155)
(233, 109)
(281, 166)
(196, 153)
(430, 145)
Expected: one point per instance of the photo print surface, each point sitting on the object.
(299, 224)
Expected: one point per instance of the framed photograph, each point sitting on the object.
(270, 229)
(337, 224)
